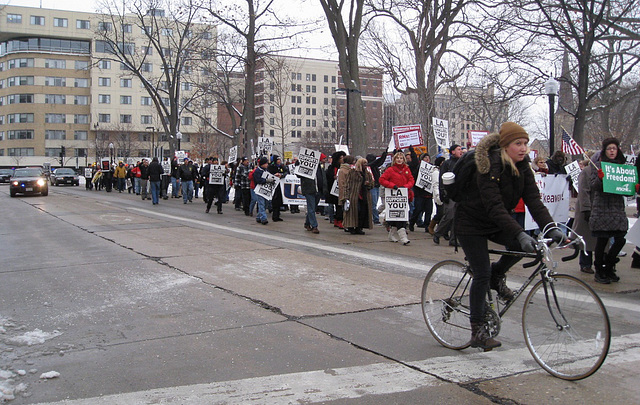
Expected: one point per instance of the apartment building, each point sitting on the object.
(299, 103)
(60, 92)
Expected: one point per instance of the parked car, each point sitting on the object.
(5, 175)
(64, 176)
(28, 181)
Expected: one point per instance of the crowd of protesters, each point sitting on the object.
(357, 206)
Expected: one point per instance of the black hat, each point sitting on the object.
(453, 147)
(263, 160)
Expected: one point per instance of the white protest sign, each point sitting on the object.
(309, 160)
(573, 170)
(166, 166)
(265, 145)
(425, 176)
(291, 193)
(334, 189)
(407, 135)
(88, 172)
(216, 174)
(233, 154)
(342, 148)
(441, 132)
(630, 159)
(181, 154)
(266, 190)
(555, 195)
(475, 137)
(396, 204)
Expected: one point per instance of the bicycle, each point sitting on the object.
(565, 324)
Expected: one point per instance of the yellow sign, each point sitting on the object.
(288, 155)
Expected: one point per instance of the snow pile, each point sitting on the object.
(8, 390)
(34, 337)
(49, 375)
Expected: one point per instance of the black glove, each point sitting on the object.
(527, 243)
(587, 215)
(557, 235)
(395, 187)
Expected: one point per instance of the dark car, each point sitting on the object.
(28, 181)
(5, 175)
(64, 176)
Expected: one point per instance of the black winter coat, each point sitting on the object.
(608, 215)
(494, 192)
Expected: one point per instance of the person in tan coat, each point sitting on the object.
(357, 182)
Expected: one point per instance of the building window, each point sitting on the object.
(14, 18)
(20, 98)
(166, 31)
(55, 99)
(81, 100)
(55, 63)
(272, 121)
(81, 83)
(125, 118)
(80, 135)
(127, 28)
(144, 100)
(147, 50)
(20, 118)
(104, 99)
(81, 119)
(20, 63)
(105, 118)
(20, 151)
(187, 120)
(20, 81)
(20, 134)
(60, 22)
(55, 118)
(104, 81)
(104, 64)
(83, 24)
(37, 20)
(125, 99)
(81, 152)
(105, 26)
(147, 67)
(186, 86)
(55, 81)
(104, 47)
(146, 119)
(55, 134)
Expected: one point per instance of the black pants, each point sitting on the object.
(421, 205)
(476, 249)
(600, 259)
(246, 200)
(276, 203)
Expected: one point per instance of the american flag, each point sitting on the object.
(569, 146)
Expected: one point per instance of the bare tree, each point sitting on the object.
(165, 31)
(346, 35)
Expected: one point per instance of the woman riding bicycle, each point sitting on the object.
(503, 176)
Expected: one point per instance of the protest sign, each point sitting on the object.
(309, 160)
(233, 154)
(425, 176)
(630, 159)
(396, 204)
(441, 132)
(265, 145)
(573, 170)
(619, 179)
(88, 172)
(407, 135)
(334, 189)
(166, 166)
(216, 174)
(181, 154)
(266, 190)
(291, 194)
(555, 195)
(342, 148)
(476, 136)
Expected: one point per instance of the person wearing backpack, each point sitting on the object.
(502, 176)
(448, 205)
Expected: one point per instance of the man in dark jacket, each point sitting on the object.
(444, 226)
(175, 178)
(187, 176)
(155, 171)
(312, 189)
(375, 164)
(144, 179)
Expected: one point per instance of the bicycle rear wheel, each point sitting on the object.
(566, 327)
(445, 303)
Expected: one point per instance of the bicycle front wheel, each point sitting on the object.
(566, 327)
(445, 303)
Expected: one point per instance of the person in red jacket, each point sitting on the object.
(398, 175)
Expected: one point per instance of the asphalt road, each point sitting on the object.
(122, 302)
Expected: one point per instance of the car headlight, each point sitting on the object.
(40, 182)
(15, 183)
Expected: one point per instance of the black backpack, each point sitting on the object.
(464, 169)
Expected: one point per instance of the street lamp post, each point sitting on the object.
(346, 91)
(179, 137)
(551, 87)
(111, 151)
(153, 132)
(95, 128)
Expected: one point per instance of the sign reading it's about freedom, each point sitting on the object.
(619, 179)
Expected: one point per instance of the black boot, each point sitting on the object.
(601, 275)
(610, 269)
(499, 284)
(635, 263)
(480, 337)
